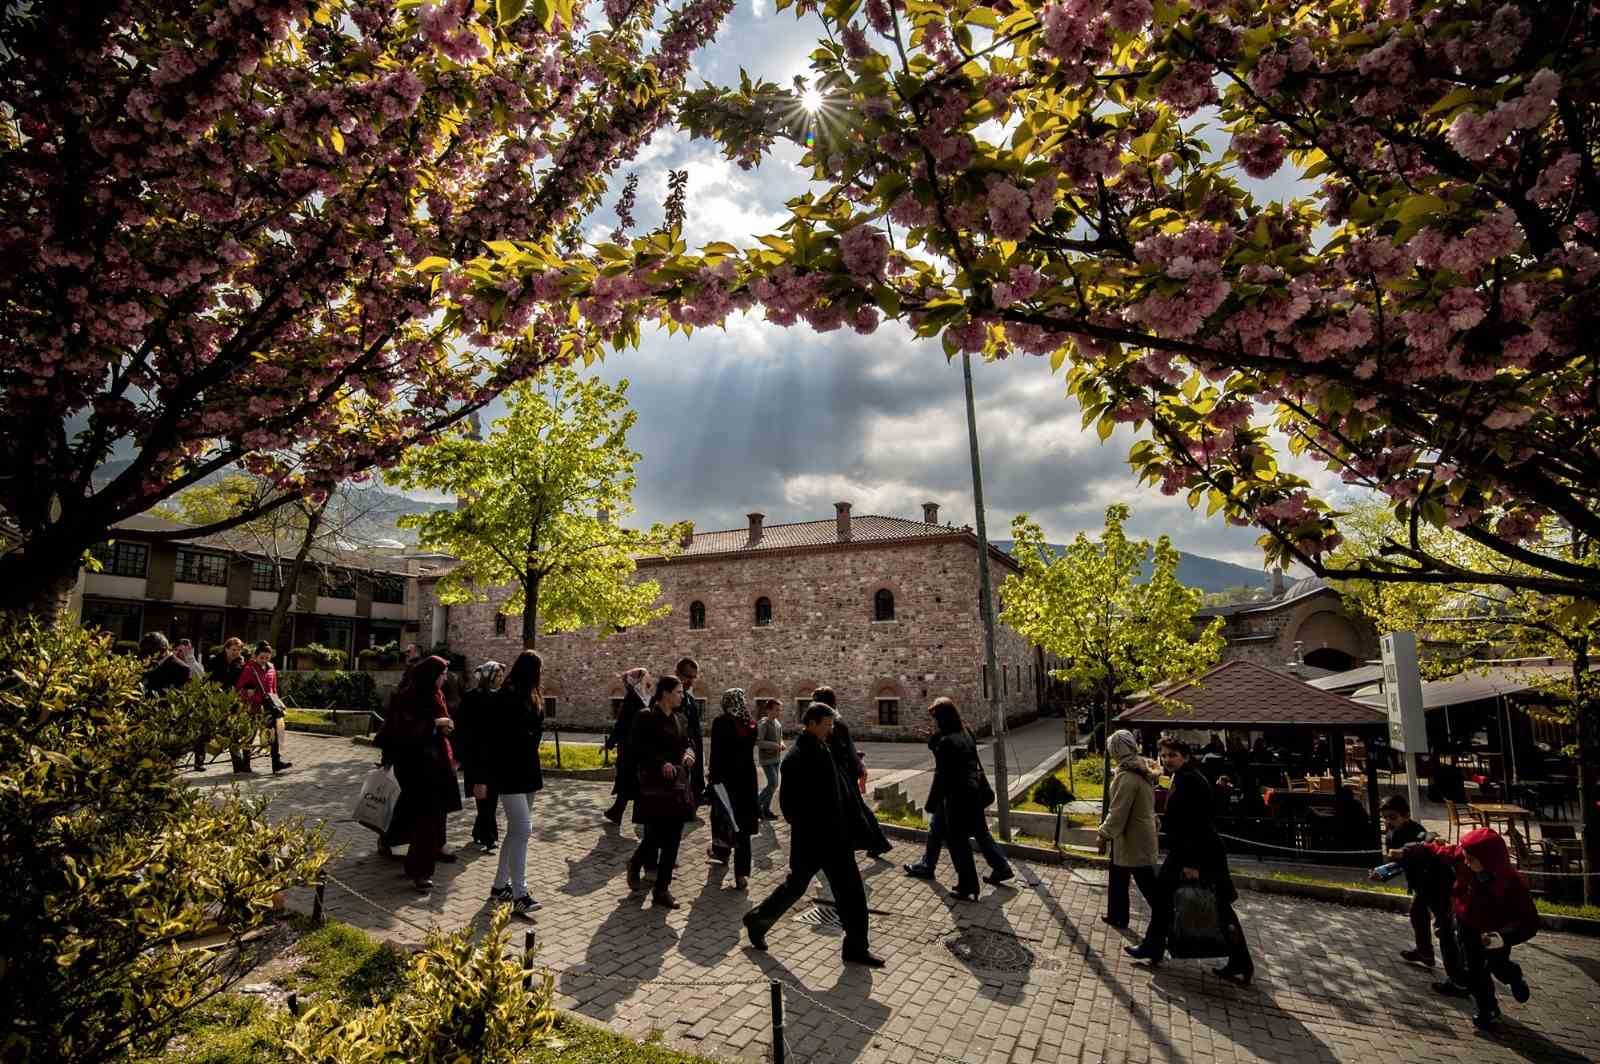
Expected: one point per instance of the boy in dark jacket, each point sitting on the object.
(1399, 832)
(1493, 912)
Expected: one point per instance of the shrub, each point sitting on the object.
(330, 690)
(463, 1000)
(111, 859)
(1088, 770)
(325, 657)
(1052, 793)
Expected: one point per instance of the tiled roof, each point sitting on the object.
(1244, 694)
(244, 543)
(867, 528)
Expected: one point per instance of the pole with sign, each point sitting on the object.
(1402, 693)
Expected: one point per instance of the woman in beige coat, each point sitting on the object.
(1130, 827)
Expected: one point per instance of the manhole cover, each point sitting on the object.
(978, 948)
(823, 916)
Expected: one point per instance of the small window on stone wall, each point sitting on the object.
(550, 706)
(889, 712)
(499, 624)
(800, 707)
(697, 615)
(883, 605)
(763, 612)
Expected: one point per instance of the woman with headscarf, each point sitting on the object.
(662, 759)
(1130, 827)
(515, 725)
(474, 749)
(415, 740)
(636, 685)
(957, 792)
(733, 766)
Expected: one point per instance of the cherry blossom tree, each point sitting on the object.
(1078, 180)
(232, 230)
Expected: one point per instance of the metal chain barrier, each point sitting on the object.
(1379, 852)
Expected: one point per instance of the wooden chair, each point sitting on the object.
(1453, 815)
(1558, 832)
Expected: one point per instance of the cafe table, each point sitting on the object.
(1491, 813)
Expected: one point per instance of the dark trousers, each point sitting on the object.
(427, 839)
(986, 845)
(1444, 925)
(1155, 937)
(659, 847)
(485, 826)
(961, 857)
(1482, 967)
(844, 879)
(740, 851)
(1117, 892)
(618, 807)
(277, 756)
(200, 753)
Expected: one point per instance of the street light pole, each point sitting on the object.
(986, 608)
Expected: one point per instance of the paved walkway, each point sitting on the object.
(911, 764)
(1023, 975)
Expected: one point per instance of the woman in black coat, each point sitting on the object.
(957, 792)
(415, 740)
(1194, 853)
(662, 760)
(733, 765)
(514, 729)
(473, 747)
(635, 685)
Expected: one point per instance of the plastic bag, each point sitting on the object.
(1196, 923)
(380, 793)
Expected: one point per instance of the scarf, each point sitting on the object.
(1124, 750)
(735, 706)
(639, 682)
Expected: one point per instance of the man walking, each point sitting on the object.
(769, 752)
(687, 672)
(854, 769)
(824, 813)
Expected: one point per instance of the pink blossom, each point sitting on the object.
(864, 250)
(1260, 150)
(1009, 211)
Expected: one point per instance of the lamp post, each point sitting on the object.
(986, 608)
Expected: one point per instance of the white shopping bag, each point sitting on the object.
(379, 795)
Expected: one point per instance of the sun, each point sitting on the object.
(812, 100)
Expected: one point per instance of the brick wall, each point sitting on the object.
(1318, 620)
(822, 632)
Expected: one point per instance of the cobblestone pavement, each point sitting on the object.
(1023, 975)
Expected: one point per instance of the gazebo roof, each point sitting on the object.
(1242, 694)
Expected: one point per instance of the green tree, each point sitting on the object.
(1469, 621)
(542, 499)
(111, 859)
(1087, 606)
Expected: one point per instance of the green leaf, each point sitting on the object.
(508, 11)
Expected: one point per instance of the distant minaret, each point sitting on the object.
(474, 431)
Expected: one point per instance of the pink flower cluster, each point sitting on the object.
(865, 251)
(1022, 283)
(1478, 135)
(1010, 211)
(1260, 150)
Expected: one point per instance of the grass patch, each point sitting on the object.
(228, 1029)
(573, 755)
(1085, 784)
(347, 965)
(1548, 908)
(904, 820)
(577, 1042)
(307, 717)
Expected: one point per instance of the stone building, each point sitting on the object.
(1305, 622)
(882, 609)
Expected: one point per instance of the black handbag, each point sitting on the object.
(1197, 929)
(985, 791)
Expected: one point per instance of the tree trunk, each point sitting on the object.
(1587, 713)
(530, 612)
(1105, 754)
(38, 578)
(291, 586)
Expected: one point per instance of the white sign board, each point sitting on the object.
(1402, 691)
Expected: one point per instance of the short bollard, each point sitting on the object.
(527, 959)
(316, 903)
(777, 1023)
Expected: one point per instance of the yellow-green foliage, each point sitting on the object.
(111, 859)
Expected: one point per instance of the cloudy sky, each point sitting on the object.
(787, 421)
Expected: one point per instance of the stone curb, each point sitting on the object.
(1352, 896)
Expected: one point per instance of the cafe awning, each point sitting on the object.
(1242, 694)
(1477, 686)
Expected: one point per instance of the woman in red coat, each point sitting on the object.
(1493, 912)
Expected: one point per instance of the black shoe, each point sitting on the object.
(1123, 926)
(758, 934)
(615, 816)
(918, 871)
(1411, 956)
(525, 906)
(1141, 952)
(1449, 989)
(1485, 1019)
(717, 857)
(1242, 976)
(964, 895)
(423, 885)
(863, 958)
(282, 766)
(199, 767)
(386, 853)
(1519, 986)
(998, 878)
(635, 877)
(664, 901)
(878, 855)
(501, 893)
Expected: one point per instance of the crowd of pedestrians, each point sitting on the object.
(1468, 897)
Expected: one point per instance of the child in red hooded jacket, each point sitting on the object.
(1493, 912)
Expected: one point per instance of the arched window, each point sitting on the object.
(763, 612)
(697, 614)
(883, 605)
